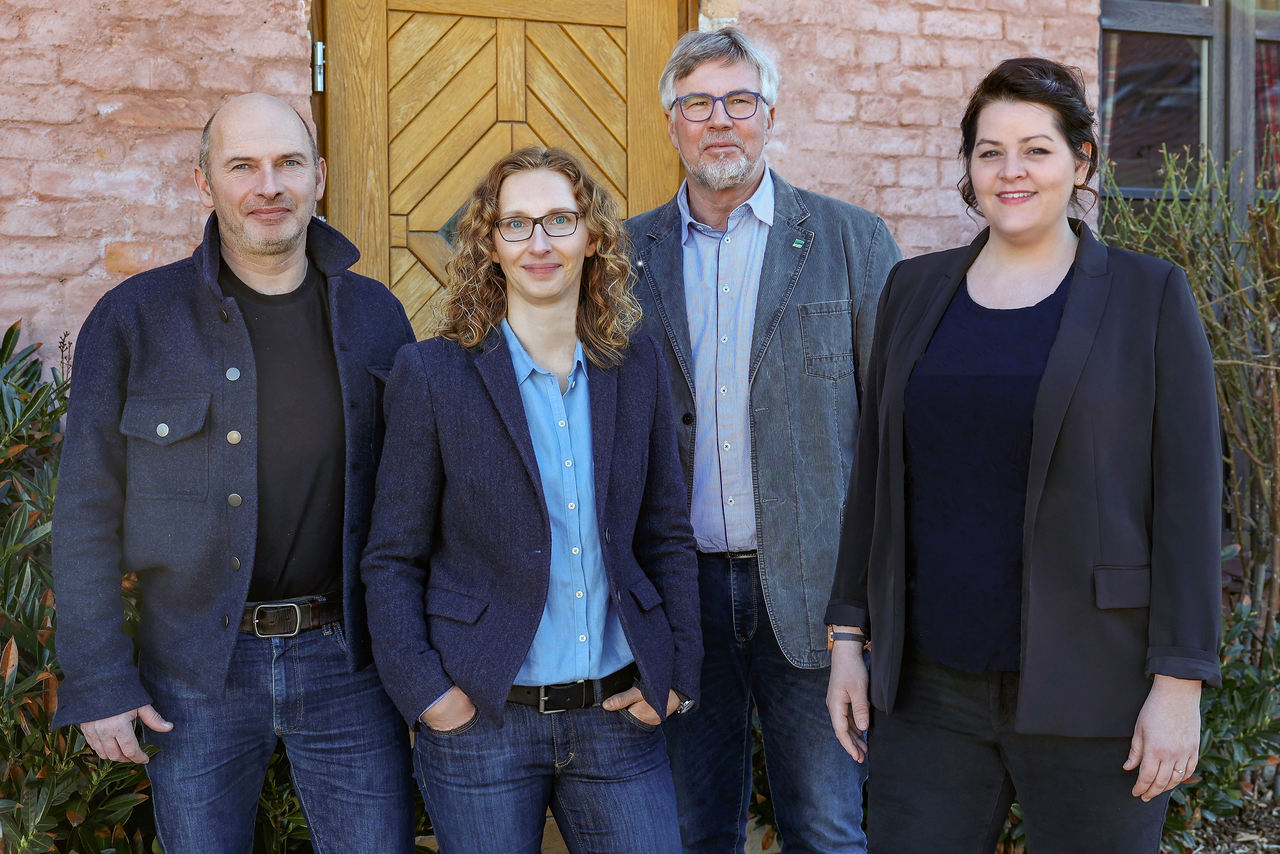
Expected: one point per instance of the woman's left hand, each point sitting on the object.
(1166, 739)
(633, 701)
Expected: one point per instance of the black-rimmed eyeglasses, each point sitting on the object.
(698, 106)
(514, 229)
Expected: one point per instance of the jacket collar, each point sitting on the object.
(332, 253)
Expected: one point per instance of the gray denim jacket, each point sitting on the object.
(824, 265)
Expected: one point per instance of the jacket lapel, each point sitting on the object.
(603, 384)
(661, 267)
(1090, 288)
(493, 362)
(785, 251)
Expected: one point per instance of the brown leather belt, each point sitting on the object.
(288, 617)
(573, 695)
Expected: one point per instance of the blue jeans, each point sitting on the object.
(604, 775)
(815, 786)
(347, 745)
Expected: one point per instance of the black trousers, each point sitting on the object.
(946, 766)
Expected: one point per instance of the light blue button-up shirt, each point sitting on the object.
(721, 282)
(580, 635)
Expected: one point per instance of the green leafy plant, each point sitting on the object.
(1240, 730)
(54, 794)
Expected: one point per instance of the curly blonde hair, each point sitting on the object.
(476, 293)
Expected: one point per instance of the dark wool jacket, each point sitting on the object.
(178, 504)
(459, 557)
(1122, 528)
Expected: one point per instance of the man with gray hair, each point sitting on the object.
(764, 296)
(221, 444)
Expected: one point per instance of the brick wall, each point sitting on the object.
(103, 103)
(873, 90)
(100, 118)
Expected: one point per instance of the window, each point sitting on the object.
(1189, 73)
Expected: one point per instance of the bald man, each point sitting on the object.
(222, 444)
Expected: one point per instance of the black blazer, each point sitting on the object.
(1122, 530)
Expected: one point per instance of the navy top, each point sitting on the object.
(967, 416)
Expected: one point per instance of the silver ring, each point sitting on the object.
(1177, 770)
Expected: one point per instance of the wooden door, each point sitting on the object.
(424, 95)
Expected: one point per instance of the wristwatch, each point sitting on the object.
(686, 704)
(833, 636)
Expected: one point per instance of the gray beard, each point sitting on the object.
(721, 174)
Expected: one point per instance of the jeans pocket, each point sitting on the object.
(339, 634)
(447, 733)
(626, 715)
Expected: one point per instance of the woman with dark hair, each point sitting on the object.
(1033, 527)
(530, 571)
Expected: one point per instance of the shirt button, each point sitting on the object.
(235, 563)
(730, 499)
(568, 464)
(726, 446)
(234, 437)
(579, 594)
(582, 638)
(573, 506)
(162, 429)
(724, 389)
(233, 374)
(575, 550)
(725, 289)
(728, 240)
(234, 500)
(560, 423)
(724, 339)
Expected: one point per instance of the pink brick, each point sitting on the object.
(57, 26)
(961, 54)
(836, 107)
(903, 201)
(13, 178)
(226, 78)
(152, 111)
(291, 81)
(1024, 30)
(933, 82)
(919, 111)
(891, 19)
(29, 220)
(971, 5)
(1046, 8)
(963, 25)
(48, 104)
(918, 52)
(918, 172)
(881, 50)
(1019, 6)
(879, 109)
(33, 67)
(46, 257)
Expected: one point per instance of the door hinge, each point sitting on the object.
(317, 67)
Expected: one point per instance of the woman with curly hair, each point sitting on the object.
(530, 571)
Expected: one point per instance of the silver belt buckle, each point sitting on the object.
(297, 619)
(542, 697)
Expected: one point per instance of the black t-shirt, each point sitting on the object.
(301, 438)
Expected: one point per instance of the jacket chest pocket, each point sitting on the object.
(826, 333)
(168, 448)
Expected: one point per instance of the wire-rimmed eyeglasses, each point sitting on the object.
(698, 106)
(514, 229)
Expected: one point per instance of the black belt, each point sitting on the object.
(288, 617)
(727, 556)
(573, 695)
